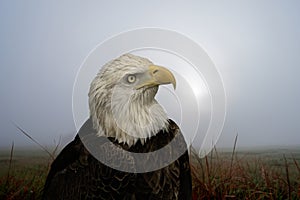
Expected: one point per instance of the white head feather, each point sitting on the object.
(118, 109)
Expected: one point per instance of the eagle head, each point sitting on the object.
(121, 99)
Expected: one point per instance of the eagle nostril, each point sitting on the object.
(155, 71)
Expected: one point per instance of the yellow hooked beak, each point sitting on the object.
(157, 75)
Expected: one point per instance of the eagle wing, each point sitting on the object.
(76, 174)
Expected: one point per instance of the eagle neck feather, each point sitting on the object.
(127, 121)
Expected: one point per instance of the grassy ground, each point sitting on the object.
(22, 176)
(264, 174)
(253, 174)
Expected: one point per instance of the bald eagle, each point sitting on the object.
(114, 154)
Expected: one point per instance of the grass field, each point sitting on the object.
(223, 174)
(252, 174)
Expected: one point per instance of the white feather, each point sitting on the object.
(123, 112)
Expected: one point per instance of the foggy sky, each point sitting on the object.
(255, 45)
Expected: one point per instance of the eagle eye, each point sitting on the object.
(131, 78)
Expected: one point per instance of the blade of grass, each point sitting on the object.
(232, 156)
(287, 177)
(32, 139)
(208, 176)
(56, 146)
(9, 166)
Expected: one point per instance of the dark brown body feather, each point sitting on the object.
(76, 174)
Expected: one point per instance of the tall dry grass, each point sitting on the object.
(225, 176)
(218, 175)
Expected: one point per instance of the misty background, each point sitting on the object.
(255, 45)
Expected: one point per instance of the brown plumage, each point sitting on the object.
(76, 174)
